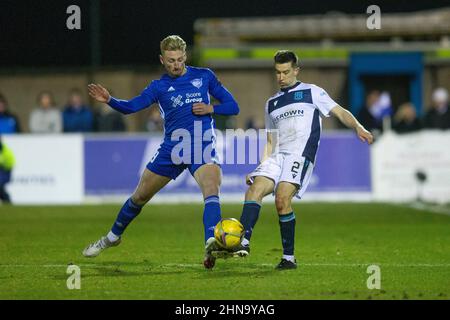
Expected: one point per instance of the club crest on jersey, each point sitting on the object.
(298, 95)
(197, 83)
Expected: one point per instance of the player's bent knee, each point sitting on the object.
(210, 192)
(210, 188)
(254, 193)
(140, 199)
(282, 202)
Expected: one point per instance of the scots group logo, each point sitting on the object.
(197, 83)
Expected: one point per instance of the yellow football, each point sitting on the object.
(229, 232)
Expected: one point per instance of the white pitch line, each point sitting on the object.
(400, 265)
(432, 208)
(442, 265)
(431, 265)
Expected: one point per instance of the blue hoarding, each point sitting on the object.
(113, 165)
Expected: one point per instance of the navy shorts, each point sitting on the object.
(166, 164)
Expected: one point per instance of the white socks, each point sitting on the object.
(112, 237)
(245, 242)
(289, 258)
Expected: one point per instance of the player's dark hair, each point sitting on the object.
(285, 56)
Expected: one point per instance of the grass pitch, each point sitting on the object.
(162, 250)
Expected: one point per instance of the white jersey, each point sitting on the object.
(295, 115)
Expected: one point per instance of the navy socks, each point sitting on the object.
(249, 217)
(287, 230)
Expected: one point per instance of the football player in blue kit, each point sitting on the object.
(183, 96)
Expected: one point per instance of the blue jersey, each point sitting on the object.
(175, 97)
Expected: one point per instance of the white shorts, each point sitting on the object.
(286, 167)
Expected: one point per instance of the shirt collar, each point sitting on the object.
(290, 87)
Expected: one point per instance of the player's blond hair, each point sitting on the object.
(172, 43)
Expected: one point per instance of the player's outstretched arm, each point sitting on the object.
(350, 121)
(99, 93)
(268, 147)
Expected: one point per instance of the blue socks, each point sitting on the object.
(250, 214)
(287, 230)
(128, 212)
(211, 215)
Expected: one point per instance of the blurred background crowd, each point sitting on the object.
(393, 78)
(77, 115)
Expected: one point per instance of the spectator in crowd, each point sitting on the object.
(438, 115)
(9, 123)
(107, 119)
(378, 106)
(77, 117)
(405, 119)
(365, 115)
(45, 118)
(6, 165)
(155, 122)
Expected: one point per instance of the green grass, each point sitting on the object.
(161, 254)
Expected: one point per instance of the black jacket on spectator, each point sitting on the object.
(367, 120)
(406, 127)
(435, 120)
(109, 122)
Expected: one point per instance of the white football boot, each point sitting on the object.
(95, 248)
(214, 251)
(209, 260)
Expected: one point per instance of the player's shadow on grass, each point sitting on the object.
(92, 269)
(99, 272)
(243, 269)
(107, 272)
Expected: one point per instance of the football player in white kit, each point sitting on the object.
(293, 123)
